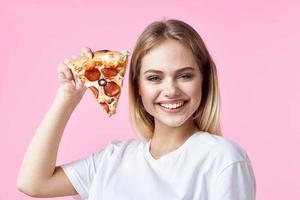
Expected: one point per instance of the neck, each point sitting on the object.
(166, 138)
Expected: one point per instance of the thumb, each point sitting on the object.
(86, 51)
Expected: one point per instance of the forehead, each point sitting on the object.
(170, 55)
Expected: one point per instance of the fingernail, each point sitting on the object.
(90, 55)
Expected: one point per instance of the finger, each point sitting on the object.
(68, 73)
(61, 75)
(61, 66)
(74, 57)
(86, 51)
(65, 70)
(66, 61)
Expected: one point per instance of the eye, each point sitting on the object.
(186, 76)
(153, 78)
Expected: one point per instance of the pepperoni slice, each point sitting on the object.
(109, 72)
(92, 74)
(105, 106)
(112, 89)
(95, 91)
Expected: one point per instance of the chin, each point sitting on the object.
(172, 122)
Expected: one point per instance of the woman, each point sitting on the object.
(174, 106)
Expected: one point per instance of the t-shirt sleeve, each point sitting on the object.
(235, 182)
(81, 172)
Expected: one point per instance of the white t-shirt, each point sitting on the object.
(205, 167)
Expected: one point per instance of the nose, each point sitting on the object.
(171, 89)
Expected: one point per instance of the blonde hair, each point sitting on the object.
(206, 117)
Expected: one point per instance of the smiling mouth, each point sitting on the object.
(173, 108)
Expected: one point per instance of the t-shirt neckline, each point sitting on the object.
(176, 151)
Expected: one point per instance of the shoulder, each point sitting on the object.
(231, 169)
(229, 150)
(221, 149)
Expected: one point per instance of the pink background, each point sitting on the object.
(255, 46)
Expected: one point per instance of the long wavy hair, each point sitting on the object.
(206, 117)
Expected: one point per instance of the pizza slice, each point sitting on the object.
(103, 75)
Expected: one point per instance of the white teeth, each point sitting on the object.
(172, 106)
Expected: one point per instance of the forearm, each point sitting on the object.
(40, 158)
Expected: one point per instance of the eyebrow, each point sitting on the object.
(179, 70)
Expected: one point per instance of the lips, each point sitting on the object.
(173, 110)
(172, 101)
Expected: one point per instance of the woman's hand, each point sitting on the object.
(70, 86)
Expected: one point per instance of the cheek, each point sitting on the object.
(148, 93)
(148, 96)
(195, 91)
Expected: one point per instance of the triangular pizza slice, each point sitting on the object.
(103, 75)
